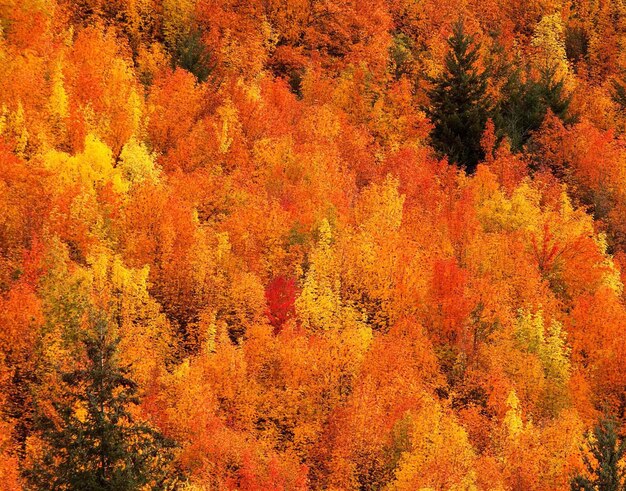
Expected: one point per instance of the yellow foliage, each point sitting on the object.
(4, 119)
(549, 346)
(176, 17)
(547, 343)
(223, 245)
(137, 163)
(319, 304)
(370, 258)
(441, 456)
(145, 335)
(134, 102)
(513, 417)
(612, 276)
(520, 212)
(379, 210)
(549, 42)
(92, 168)
(229, 117)
(59, 103)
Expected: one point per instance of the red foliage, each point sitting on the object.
(449, 303)
(281, 295)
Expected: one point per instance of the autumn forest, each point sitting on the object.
(274, 245)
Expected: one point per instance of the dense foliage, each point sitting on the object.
(296, 244)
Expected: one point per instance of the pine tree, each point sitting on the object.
(459, 105)
(520, 110)
(618, 93)
(91, 440)
(606, 469)
(552, 92)
(524, 103)
(191, 54)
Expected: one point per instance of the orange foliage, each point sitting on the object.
(307, 295)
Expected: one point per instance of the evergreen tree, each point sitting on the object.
(91, 440)
(525, 102)
(459, 105)
(552, 93)
(619, 92)
(519, 111)
(191, 54)
(606, 469)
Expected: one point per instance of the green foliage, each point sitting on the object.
(606, 470)
(401, 55)
(576, 43)
(459, 104)
(524, 103)
(191, 54)
(552, 93)
(618, 93)
(548, 343)
(379, 474)
(90, 438)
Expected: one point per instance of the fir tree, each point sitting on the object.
(552, 93)
(519, 111)
(524, 103)
(459, 105)
(91, 440)
(606, 469)
(191, 54)
(618, 92)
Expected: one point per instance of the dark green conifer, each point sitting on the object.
(459, 105)
(605, 469)
(191, 54)
(619, 92)
(91, 440)
(525, 101)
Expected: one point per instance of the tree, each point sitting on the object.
(606, 470)
(281, 296)
(552, 91)
(439, 456)
(90, 439)
(191, 54)
(618, 92)
(525, 101)
(459, 104)
(548, 42)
